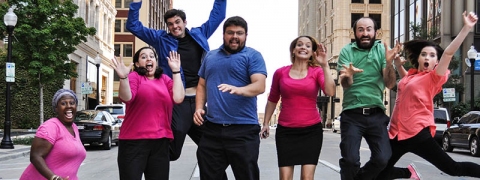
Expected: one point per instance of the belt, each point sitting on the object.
(366, 111)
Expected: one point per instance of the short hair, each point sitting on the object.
(174, 12)
(375, 26)
(236, 21)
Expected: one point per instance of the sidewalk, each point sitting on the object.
(18, 149)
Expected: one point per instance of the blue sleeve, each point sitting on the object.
(257, 64)
(148, 35)
(217, 15)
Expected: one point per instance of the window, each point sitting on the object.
(378, 20)
(126, 49)
(121, 26)
(357, 1)
(122, 3)
(355, 17)
(375, 1)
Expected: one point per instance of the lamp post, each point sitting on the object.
(10, 20)
(98, 61)
(472, 55)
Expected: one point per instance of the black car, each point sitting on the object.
(464, 133)
(97, 128)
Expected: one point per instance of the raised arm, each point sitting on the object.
(148, 35)
(389, 77)
(217, 15)
(469, 20)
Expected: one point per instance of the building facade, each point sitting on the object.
(442, 20)
(330, 22)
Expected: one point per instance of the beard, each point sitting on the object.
(227, 48)
(363, 45)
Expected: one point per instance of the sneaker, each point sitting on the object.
(413, 170)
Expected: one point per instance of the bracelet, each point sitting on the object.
(55, 177)
(124, 78)
(175, 72)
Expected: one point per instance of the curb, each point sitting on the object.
(15, 155)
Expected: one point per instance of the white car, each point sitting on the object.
(336, 124)
(442, 121)
(116, 110)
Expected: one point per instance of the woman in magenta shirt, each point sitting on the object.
(57, 150)
(146, 131)
(299, 132)
(412, 125)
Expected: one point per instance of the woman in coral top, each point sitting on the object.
(299, 132)
(57, 150)
(412, 125)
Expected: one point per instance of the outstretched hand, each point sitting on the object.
(321, 55)
(390, 54)
(349, 71)
(174, 61)
(469, 19)
(120, 68)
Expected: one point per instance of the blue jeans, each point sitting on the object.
(373, 127)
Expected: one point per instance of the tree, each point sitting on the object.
(46, 32)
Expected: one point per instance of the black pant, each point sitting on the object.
(182, 124)
(236, 145)
(373, 127)
(148, 157)
(426, 147)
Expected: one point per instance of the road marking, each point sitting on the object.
(330, 165)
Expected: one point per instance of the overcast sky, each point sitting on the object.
(272, 25)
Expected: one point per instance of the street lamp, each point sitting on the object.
(10, 20)
(472, 55)
(98, 61)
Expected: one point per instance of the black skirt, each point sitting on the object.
(298, 146)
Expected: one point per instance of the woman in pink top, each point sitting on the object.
(146, 130)
(299, 132)
(57, 150)
(412, 125)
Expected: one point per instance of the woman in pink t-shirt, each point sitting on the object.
(299, 132)
(412, 125)
(57, 150)
(146, 132)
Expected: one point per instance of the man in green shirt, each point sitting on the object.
(366, 67)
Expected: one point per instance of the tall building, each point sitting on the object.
(99, 47)
(330, 22)
(442, 20)
(126, 44)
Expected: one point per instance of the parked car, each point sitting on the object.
(97, 128)
(336, 124)
(442, 121)
(464, 133)
(116, 110)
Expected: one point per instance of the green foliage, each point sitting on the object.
(46, 32)
(23, 140)
(463, 108)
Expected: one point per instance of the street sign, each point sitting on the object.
(86, 88)
(10, 72)
(448, 94)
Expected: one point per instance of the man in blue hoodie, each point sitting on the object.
(192, 45)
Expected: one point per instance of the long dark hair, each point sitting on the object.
(143, 70)
(413, 49)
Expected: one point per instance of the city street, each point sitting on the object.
(101, 164)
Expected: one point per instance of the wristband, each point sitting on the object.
(175, 72)
(124, 78)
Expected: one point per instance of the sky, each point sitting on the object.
(272, 26)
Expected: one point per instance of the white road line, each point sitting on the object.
(330, 165)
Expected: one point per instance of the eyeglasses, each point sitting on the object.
(239, 33)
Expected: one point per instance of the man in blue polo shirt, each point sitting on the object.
(192, 45)
(231, 77)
